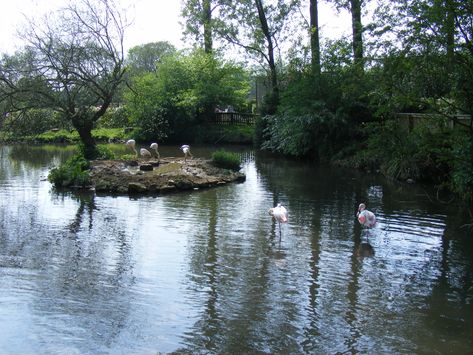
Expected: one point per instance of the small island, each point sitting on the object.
(157, 177)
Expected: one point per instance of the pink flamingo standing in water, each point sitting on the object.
(279, 213)
(365, 217)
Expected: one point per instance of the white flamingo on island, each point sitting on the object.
(186, 149)
(145, 153)
(279, 213)
(365, 217)
(131, 143)
(154, 146)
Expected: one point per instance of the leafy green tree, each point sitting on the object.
(355, 7)
(73, 64)
(148, 107)
(184, 92)
(32, 122)
(433, 59)
(199, 21)
(257, 27)
(144, 58)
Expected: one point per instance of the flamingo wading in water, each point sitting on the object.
(365, 217)
(279, 213)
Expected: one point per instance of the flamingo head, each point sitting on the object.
(154, 146)
(361, 207)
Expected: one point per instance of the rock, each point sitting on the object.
(171, 175)
(132, 163)
(136, 187)
(183, 184)
(146, 167)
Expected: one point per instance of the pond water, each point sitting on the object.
(207, 272)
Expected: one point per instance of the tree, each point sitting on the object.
(434, 58)
(315, 40)
(183, 92)
(355, 8)
(72, 63)
(257, 27)
(199, 21)
(145, 57)
(357, 31)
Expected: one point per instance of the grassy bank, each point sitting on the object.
(211, 134)
(65, 136)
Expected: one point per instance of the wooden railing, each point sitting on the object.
(234, 118)
(410, 120)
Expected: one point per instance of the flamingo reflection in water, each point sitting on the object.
(364, 250)
(280, 214)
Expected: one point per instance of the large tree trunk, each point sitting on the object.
(315, 42)
(450, 32)
(274, 100)
(207, 22)
(84, 127)
(357, 31)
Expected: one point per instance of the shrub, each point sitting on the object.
(100, 152)
(462, 174)
(226, 160)
(115, 117)
(61, 136)
(32, 122)
(73, 172)
(108, 134)
(318, 134)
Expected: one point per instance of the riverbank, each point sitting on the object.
(201, 134)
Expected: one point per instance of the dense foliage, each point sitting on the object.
(72, 173)
(184, 92)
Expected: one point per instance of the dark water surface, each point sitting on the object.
(205, 272)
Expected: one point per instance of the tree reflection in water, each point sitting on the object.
(200, 272)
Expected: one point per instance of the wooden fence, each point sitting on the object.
(410, 120)
(234, 118)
